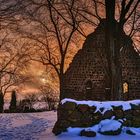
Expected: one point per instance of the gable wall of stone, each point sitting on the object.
(90, 64)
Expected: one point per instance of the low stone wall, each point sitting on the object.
(71, 114)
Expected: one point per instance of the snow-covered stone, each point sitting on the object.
(111, 127)
(107, 105)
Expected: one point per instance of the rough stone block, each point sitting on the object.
(108, 114)
(117, 107)
(87, 133)
(116, 132)
(75, 116)
(92, 109)
(69, 106)
(127, 123)
(59, 127)
(136, 121)
(136, 112)
(83, 108)
(130, 132)
(135, 107)
(119, 114)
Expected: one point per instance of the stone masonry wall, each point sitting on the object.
(90, 65)
(131, 72)
(87, 65)
(71, 114)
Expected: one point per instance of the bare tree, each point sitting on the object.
(114, 49)
(13, 59)
(50, 32)
(118, 20)
(50, 96)
(30, 100)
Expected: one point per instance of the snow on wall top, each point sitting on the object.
(107, 105)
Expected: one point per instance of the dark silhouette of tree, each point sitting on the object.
(115, 28)
(1, 102)
(31, 99)
(49, 96)
(53, 35)
(13, 59)
(114, 33)
(13, 103)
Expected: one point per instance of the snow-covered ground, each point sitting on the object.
(26, 126)
(38, 126)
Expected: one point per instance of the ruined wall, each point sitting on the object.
(71, 114)
(89, 66)
(131, 73)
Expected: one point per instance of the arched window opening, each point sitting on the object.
(108, 93)
(125, 87)
(88, 85)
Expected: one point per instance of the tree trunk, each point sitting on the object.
(61, 86)
(118, 77)
(61, 78)
(1, 102)
(112, 44)
(13, 103)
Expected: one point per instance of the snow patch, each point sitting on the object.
(38, 126)
(109, 125)
(107, 105)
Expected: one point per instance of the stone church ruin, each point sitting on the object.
(86, 77)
